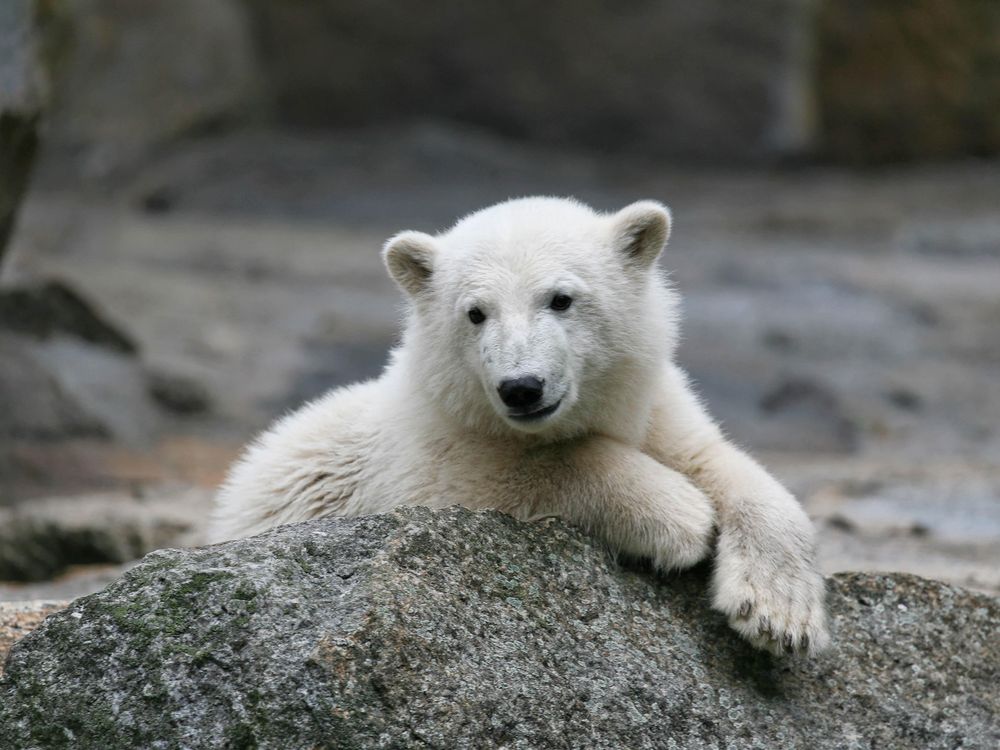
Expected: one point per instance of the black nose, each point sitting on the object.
(519, 393)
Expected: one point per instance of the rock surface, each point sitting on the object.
(461, 629)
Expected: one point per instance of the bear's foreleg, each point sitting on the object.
(635, 504)
(765, 578)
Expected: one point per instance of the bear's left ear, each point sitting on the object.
(640, 232)
(409, 256)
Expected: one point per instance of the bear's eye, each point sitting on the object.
(561, 302)
(476, 316)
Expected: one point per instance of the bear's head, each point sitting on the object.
(538, 316)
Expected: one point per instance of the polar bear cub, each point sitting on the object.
(536, 376)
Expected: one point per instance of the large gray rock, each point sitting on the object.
(456, 629)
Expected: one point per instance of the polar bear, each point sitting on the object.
(536, 376)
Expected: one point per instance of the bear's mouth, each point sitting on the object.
(537, 415)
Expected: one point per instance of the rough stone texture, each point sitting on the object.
(460, 629)
(908, 80)
(709, 79)
(17, 619)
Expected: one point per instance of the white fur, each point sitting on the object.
(629, 453)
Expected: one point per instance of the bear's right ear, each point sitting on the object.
(409, 256)
(640, 231)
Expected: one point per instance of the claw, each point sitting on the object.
(789, 643)
(764, 626)
(804, 643)
(745, 609)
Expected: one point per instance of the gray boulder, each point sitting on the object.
(455, 629)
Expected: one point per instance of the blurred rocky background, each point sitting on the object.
(210, 184)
